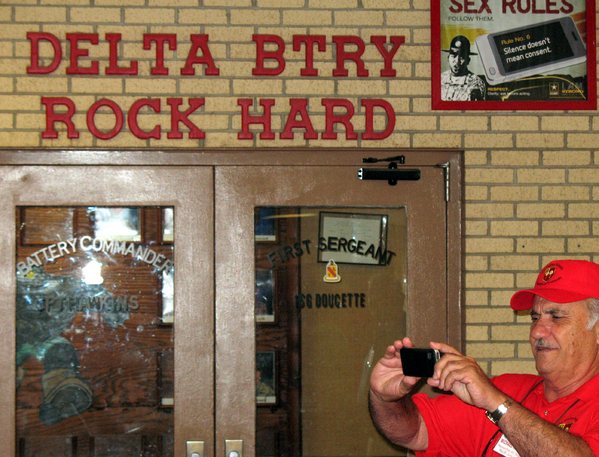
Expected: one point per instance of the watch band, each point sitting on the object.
(499, 412)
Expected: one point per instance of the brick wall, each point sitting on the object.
(531, 192)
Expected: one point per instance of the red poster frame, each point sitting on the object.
(485, 105)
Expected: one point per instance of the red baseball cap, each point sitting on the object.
(561, 281)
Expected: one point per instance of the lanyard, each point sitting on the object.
(522, 401)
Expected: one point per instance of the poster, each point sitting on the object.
(513, 55)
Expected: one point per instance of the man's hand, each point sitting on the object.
(392, 410)
(464, 377)
(388, 382)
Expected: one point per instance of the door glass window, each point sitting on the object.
(94, 349)
(330, 295)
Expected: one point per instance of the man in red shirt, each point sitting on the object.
(553, 414)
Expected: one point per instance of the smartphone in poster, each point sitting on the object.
(513, 54)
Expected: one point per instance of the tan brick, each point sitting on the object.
(255, 17)
(540, 140)
(475, 157)
(489, 315)
(113, 2)
(421, 105)
(514, 262)
(357, 17)
(566, 192)
(7, 121)
(540, 245)
(149, 15)
(427, 140)
(492, 350)
(566, 158)
(489, 245)
(203, 16)
(476, 297)
(476, 193)
(490, 140)
(232, 35)
(515, 158)
(48, 85)
(280, 3)
(339, 4)
(151, 86)
(177, 3)
(6, 50)
(489, 210)
(40, 14)
(527, 280)
(356, 88)
(583, 210)
(541, 175)
(512, 366)
(303, 17)
(583, 244)
(489, 280)
(514, 123)
(514, 228)
(502, 298)
(477, 228)
(408, 18)
(477, 332)
(470, 123)
(95, 15)
(421, 36)
(10, 31)
(582, 140)
(249, 87)
(12, 139)
(204, 86)
(514, 193)
(415, 53)
(523, 350)
(228, 3)
(387, 4)
(565, 228)
(540, 210)
(583, 175)
(5, 14)
(410, 123)
(416, 88)
(565, 123)
(477, 263)
(489, 175)
(396, 140)
(91, 86)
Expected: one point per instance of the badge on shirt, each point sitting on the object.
(504, 447)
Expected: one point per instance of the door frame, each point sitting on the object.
(451, 160)
(189, 191)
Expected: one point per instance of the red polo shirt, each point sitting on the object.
(456, 429)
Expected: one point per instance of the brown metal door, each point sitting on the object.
(304, 298)
(111, 308)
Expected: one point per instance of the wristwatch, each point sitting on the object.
(499, 412)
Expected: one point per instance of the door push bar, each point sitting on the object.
(391, 174)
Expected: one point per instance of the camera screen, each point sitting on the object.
(533, 46)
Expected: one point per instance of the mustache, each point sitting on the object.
(542, 343)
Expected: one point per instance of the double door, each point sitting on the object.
(215, 309)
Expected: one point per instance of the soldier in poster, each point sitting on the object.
(459, 83)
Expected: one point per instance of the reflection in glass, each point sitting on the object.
(265, 378)
(117, 223)
(168, 232)
(94, 367)
(264, 293)
(340, 298)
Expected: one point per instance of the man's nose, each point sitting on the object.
(540, 329)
